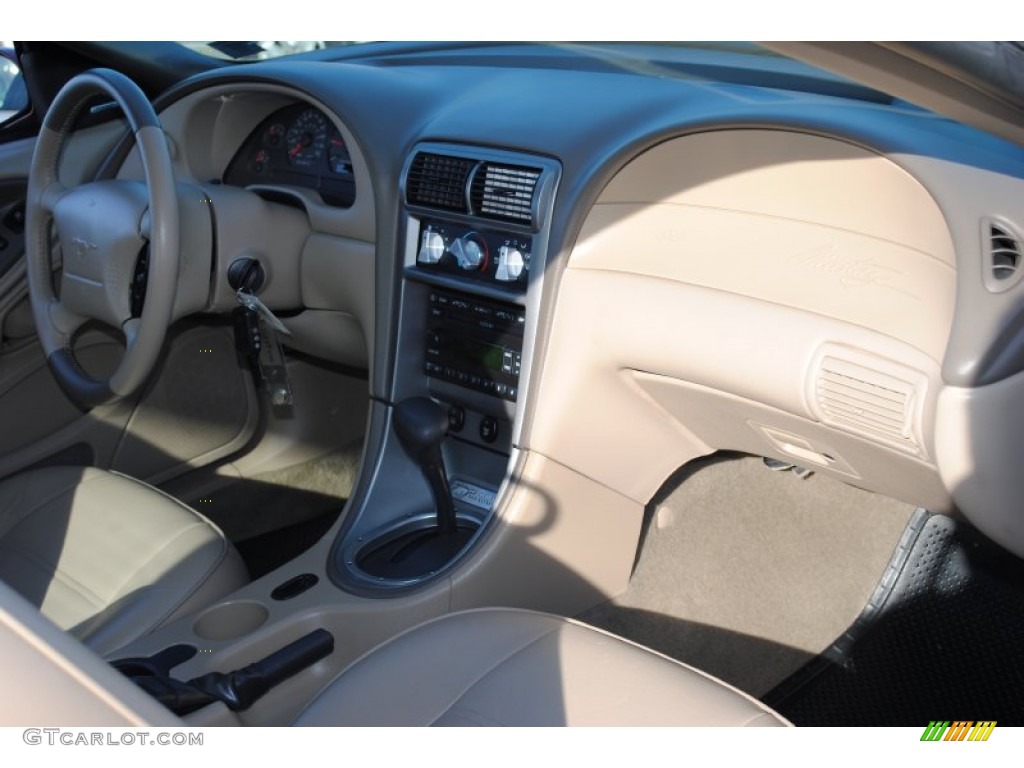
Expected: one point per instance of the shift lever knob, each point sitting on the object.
(421, 425)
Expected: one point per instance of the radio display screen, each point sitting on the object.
(478, 353)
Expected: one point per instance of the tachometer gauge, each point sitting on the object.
(307, 139)
(338, 158)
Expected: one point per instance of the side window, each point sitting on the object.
(13, 95)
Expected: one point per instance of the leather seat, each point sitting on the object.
(109, 558)
(511, 667)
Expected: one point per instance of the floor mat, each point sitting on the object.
(748, 573)
(941, 639)
(272, 501)
(273, 517)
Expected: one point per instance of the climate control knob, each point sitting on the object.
(470, 253)
(431, 247)
(510, 264)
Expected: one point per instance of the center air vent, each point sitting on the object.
(504, 192)
(482, 188)
(439, 181)
(1002, 251)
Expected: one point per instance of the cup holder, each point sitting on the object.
(230, 620)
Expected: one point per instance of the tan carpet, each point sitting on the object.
(747, 573)
(284, 497)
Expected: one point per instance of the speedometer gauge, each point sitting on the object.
(307, 139)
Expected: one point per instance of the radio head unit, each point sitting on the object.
(475, 343)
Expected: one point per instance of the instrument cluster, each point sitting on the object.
(296, 146)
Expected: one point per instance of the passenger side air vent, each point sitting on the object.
(439, 181)
(504, 192)
(1002, 250)
(868, 402)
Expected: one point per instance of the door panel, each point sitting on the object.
(40, 425)
(16, 159)
(31, 402)
(12, 222)
(200, 406)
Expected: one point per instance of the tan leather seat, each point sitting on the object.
(512, 667)
(106, 557)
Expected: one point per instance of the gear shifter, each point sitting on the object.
(421, 425)
(425, 546)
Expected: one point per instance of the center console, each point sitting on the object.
(474, 242)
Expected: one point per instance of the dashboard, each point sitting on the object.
(803, 273)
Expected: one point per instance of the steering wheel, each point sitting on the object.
(103, 229)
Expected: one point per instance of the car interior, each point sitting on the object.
(511, 384)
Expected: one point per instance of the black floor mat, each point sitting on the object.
(265, 552)
(943, 639)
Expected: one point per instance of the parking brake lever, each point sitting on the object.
(240, 689)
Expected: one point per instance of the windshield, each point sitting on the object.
(740, 63)
(249, 50)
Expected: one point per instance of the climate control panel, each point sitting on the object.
(479, 254)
